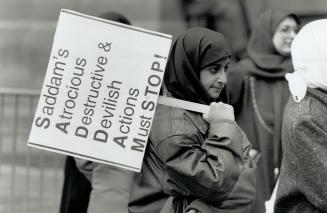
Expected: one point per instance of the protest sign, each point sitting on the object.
(100, 90)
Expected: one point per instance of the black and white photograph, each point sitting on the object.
(163, 106)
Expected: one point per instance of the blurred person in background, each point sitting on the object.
(228, 17)
(257, 89)
(194, 162)
(302, 180)
(76, 189)
(94, 187)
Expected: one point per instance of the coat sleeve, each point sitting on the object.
(242, 197)
(208, 171)
(304, 167)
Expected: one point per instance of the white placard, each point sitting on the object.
(100, 90)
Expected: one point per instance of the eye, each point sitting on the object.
(288, 29)
(214, 69)
(285, 29)
(295, 30)
(227, 68)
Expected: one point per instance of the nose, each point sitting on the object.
(221, 78)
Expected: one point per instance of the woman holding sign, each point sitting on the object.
(195, 162)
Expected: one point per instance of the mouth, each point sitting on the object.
(217, 87)
(216, 90)
(288, 44)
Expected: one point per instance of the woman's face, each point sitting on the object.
(213, 78)
(284, 35)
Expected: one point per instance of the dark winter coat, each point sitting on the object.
(188, 160)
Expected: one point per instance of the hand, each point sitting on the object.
(219, 111)
(255, 155)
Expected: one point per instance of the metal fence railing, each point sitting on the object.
(30, 179)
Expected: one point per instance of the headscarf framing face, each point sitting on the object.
(114, 16)
(260, 47)
(192, 51)
(309, 55)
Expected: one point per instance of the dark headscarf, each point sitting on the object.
(268, 62)
(193, 50)
(114, 16)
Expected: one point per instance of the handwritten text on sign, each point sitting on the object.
(100, 90)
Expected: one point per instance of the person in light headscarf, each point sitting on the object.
(258, 92)
(302, 181)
